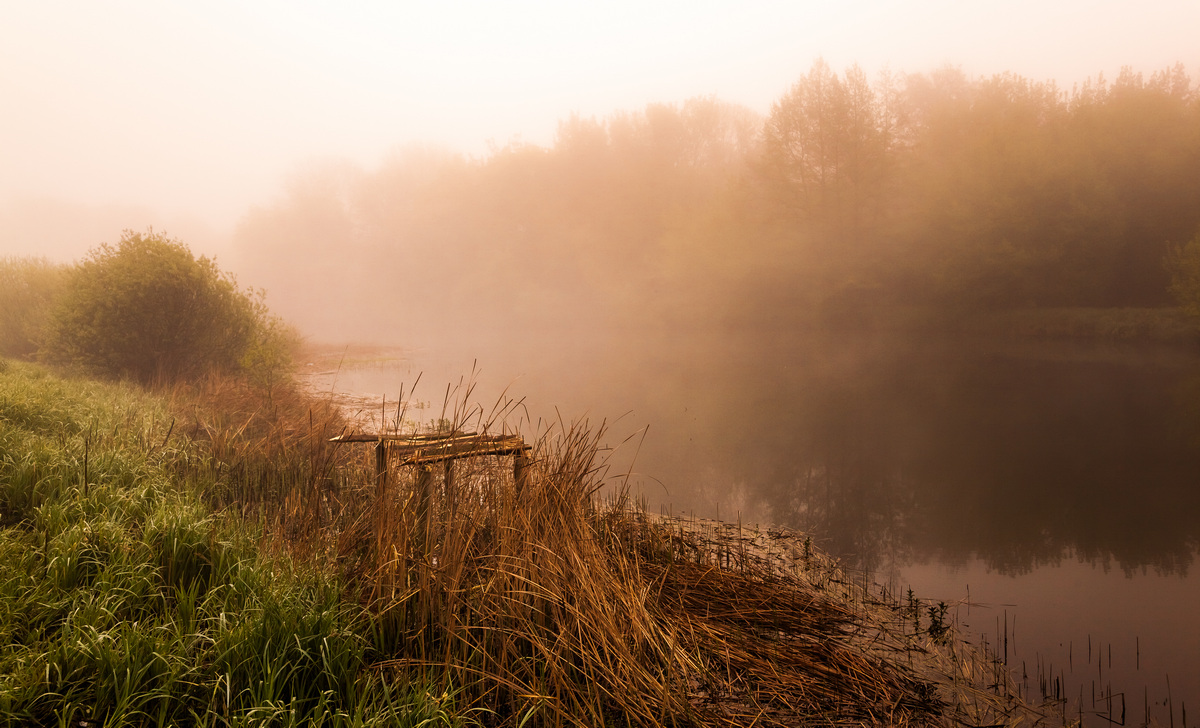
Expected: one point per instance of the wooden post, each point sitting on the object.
(520, 472)
(380, 495)
(380, 470)
(424, 506)
(448, 489)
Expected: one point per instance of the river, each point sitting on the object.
(1051, 491)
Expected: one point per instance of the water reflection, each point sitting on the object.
(1020, 457)
(893, 452)
(953, 467)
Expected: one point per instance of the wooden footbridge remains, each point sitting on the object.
(425, 452)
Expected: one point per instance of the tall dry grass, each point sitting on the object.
(549, 597)
(535, 601)
(264, 453)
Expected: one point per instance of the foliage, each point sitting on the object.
(149, 310)
(28, 288)
(826, 149)
(267, 358)
(939, 627)
(553, 237)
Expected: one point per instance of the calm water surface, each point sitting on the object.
(1058, 487)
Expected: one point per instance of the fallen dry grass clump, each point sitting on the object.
(855, 649)
(511, 587)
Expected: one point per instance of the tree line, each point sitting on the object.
(933, 189)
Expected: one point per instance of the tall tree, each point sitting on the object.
(826, 152)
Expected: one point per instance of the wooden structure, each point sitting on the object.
(424, 451)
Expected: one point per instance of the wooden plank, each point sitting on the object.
(443, 457)
(414, 439)
(416, 449)
(520, 472)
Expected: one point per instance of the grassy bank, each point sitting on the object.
(212, 560)
(124, 600)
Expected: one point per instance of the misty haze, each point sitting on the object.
(944, 323)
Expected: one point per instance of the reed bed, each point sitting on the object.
(540, 602)
(499, 587)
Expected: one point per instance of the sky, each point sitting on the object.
(132, 113)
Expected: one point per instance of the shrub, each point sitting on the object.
(28, 287)
(149, 310)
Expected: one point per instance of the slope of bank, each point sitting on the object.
(125, 600)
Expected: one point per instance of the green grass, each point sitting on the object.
(125, 601)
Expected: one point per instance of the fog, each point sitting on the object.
(198, 114)
(891, 272)
(528, 184)
(547, 191)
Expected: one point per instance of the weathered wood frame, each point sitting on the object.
(423, 451)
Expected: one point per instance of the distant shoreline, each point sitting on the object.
(1164, 325)
(1158, 325)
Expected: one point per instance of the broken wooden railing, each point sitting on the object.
(424, 452)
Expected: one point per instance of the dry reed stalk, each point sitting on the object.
(778, 650)
(517, 597)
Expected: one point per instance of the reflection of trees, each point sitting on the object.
(1021, 461)
(858, 509)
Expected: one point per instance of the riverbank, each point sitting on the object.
(132, 594)
(1155, 325)
(1075, 325)
(129, 597)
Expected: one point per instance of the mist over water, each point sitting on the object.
(1019, 455)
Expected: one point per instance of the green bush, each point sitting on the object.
(28, 288)
(147, 309)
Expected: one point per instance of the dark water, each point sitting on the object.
(1056, 486)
